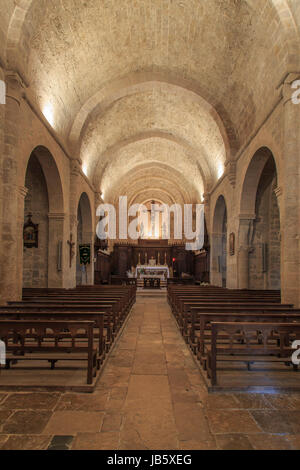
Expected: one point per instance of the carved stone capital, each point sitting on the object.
(75, 168)
(98, 198)
(15, 86)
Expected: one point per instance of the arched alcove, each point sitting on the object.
(84, 273)
(219, 244)
(36, 209)
(44, 200)
(259, 204)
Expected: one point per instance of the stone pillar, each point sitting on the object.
(291, 196)
(56, 239)
(244, 244)
(11, 264)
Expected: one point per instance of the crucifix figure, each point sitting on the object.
(71, 245)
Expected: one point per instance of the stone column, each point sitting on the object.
(291, 196)
(244, 244)
(11, 264)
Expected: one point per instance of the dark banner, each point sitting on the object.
(85, 254)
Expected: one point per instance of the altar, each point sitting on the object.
(148, 272)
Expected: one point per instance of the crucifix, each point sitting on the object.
(71, 245)
(152, 212)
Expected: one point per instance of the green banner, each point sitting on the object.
(85, 254)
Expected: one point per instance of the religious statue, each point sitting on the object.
(158, 259)
(165, 258)
(146, 259)
(71, 249)
(139, 260)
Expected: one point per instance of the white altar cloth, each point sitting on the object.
(147, 271)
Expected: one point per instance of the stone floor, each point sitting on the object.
(150, 396)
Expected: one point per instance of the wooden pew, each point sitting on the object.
(206, 320)
(47, 340)
(272, 344)
(189, 321)
(102, 326)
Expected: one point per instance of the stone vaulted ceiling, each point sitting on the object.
(154, 94)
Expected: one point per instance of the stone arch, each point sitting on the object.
(141, 81)
(85, 236)
(259, 256)
(219, 243)
(44, 175)
(251, 180)
(109, 155)
(53, 179)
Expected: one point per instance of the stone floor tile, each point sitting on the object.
(271, 421)
(31, 401)
(97, 441)
(83, 402)
(191, 422)
(221, 401)
(294, 441)
(61, 443)
(112, 422)
(3, 439)
(69, 423)
(233, 442)
(149, 429)
(270, 442)
(27, 443)
(4, 415)
(193, 444)
(27, 422)
(284, 401)
(232, 422)
(2, 397)
(252, 401)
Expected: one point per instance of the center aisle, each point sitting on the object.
(154, 383)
